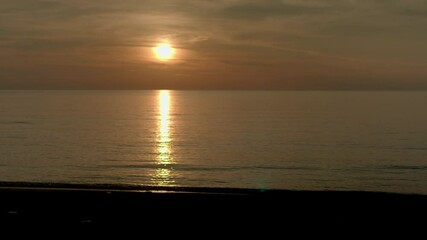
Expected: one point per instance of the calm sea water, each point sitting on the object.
(374, 141)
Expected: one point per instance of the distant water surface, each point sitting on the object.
(373, 141)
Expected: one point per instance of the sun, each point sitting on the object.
(163, 51)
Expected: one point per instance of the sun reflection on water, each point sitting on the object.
(164, 151)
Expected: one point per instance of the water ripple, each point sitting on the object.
(16, 122)
(404, 167)
(184, 167)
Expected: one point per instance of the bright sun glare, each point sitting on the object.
(164, 51)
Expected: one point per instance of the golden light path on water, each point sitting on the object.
(164, 151)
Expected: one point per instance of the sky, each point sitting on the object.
(219, 44)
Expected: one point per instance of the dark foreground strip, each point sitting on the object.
(103, 205)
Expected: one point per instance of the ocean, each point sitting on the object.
(296, 140)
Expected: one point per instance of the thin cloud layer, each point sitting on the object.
(238, 44)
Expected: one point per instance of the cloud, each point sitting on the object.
(235, 39)
(263, 9)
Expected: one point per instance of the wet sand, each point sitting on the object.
(38, 204)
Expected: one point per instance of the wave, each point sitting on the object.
(405, 167)
(16, 122)
(185, 167)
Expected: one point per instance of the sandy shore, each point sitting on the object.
(66, 204)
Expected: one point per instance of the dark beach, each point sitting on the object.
(41, 204)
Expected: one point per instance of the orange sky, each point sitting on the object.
(233, 44)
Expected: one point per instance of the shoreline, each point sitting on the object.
(218, 190)
(105, 204)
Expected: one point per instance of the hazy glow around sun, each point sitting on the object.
(163, 51)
